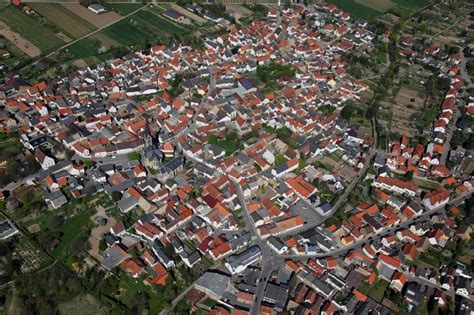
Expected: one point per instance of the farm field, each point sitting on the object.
(83, 48)
(96, 20)
(372, 9)
(377, 5)
(30, 29)
(125, 33)
(21, 43)
(66, 20)
(104, 40)
(159, 24)
(123, 8)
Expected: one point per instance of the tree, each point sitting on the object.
(408, 175)
(88, 163)
(102, 245)
(56, 222)
(134, 156)
(116, 196)
(347, 112)
(80, 246)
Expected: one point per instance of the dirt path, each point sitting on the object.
(23, 44)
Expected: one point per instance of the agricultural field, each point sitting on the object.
(83, 48)
(372, 9)
(126, 33)
(123, 8)
(20, 43)
(98, 21)
(104, 40)
(141, 27)
(30, 30)
(64, 19)
(158, 24)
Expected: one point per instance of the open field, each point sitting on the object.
(105, 40)
(95, 19)
(158, 23)
(82, 305)
(405, 105)
(355, 9)
(23, 44)
(30, 29)
(371, 9)
(240, 10)
(196, 18)
(381, 6)
(125, 33)
(83, 48)
(123, 8)
(64, 19)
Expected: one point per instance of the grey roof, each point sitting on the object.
(113, 258)
(127, 203)
(246, 257)
(277, 243)
(157, 249)
(276, 295)
(215, 282)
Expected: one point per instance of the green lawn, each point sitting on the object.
(230, 144)
(72, 228)
(41, 36)
(279, 159)
(126, 33)
(376, 291)
(426, 183)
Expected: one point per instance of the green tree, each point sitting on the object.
(134, 156)
(116, 196)
(88, 163)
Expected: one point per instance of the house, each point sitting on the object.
(436, 199)
(97, 8)
(44, 160)
(276, 295)
(173, 15)
(160, 254)
(7, 230)
(398, 281)
(387, 265)
(395, 185)
(211, 17)
(238, 263)
(54, 199)
(277, 245)
(213, 284)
